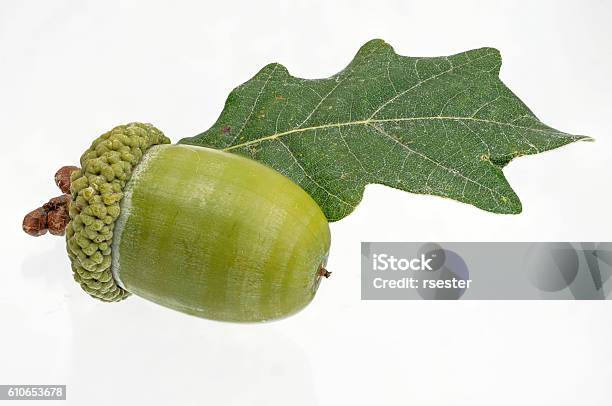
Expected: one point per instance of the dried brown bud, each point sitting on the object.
(52, 216)
(62, 177)
(57, 220)
(59, 201)
(35, 222)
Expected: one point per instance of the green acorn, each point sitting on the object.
(198, 230)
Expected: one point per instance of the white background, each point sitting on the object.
(70, 70)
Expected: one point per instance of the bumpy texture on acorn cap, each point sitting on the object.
(97, 189)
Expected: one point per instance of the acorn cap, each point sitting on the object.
(96, 190)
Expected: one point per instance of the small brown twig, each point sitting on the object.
(53, 215)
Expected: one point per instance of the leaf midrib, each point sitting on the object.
(368, 121)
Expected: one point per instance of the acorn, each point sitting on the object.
(201, 231)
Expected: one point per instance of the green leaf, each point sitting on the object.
(443, 126)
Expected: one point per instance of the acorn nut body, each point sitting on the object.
(218, 236)
(211, 234)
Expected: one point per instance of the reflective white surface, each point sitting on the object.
(71, 70)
